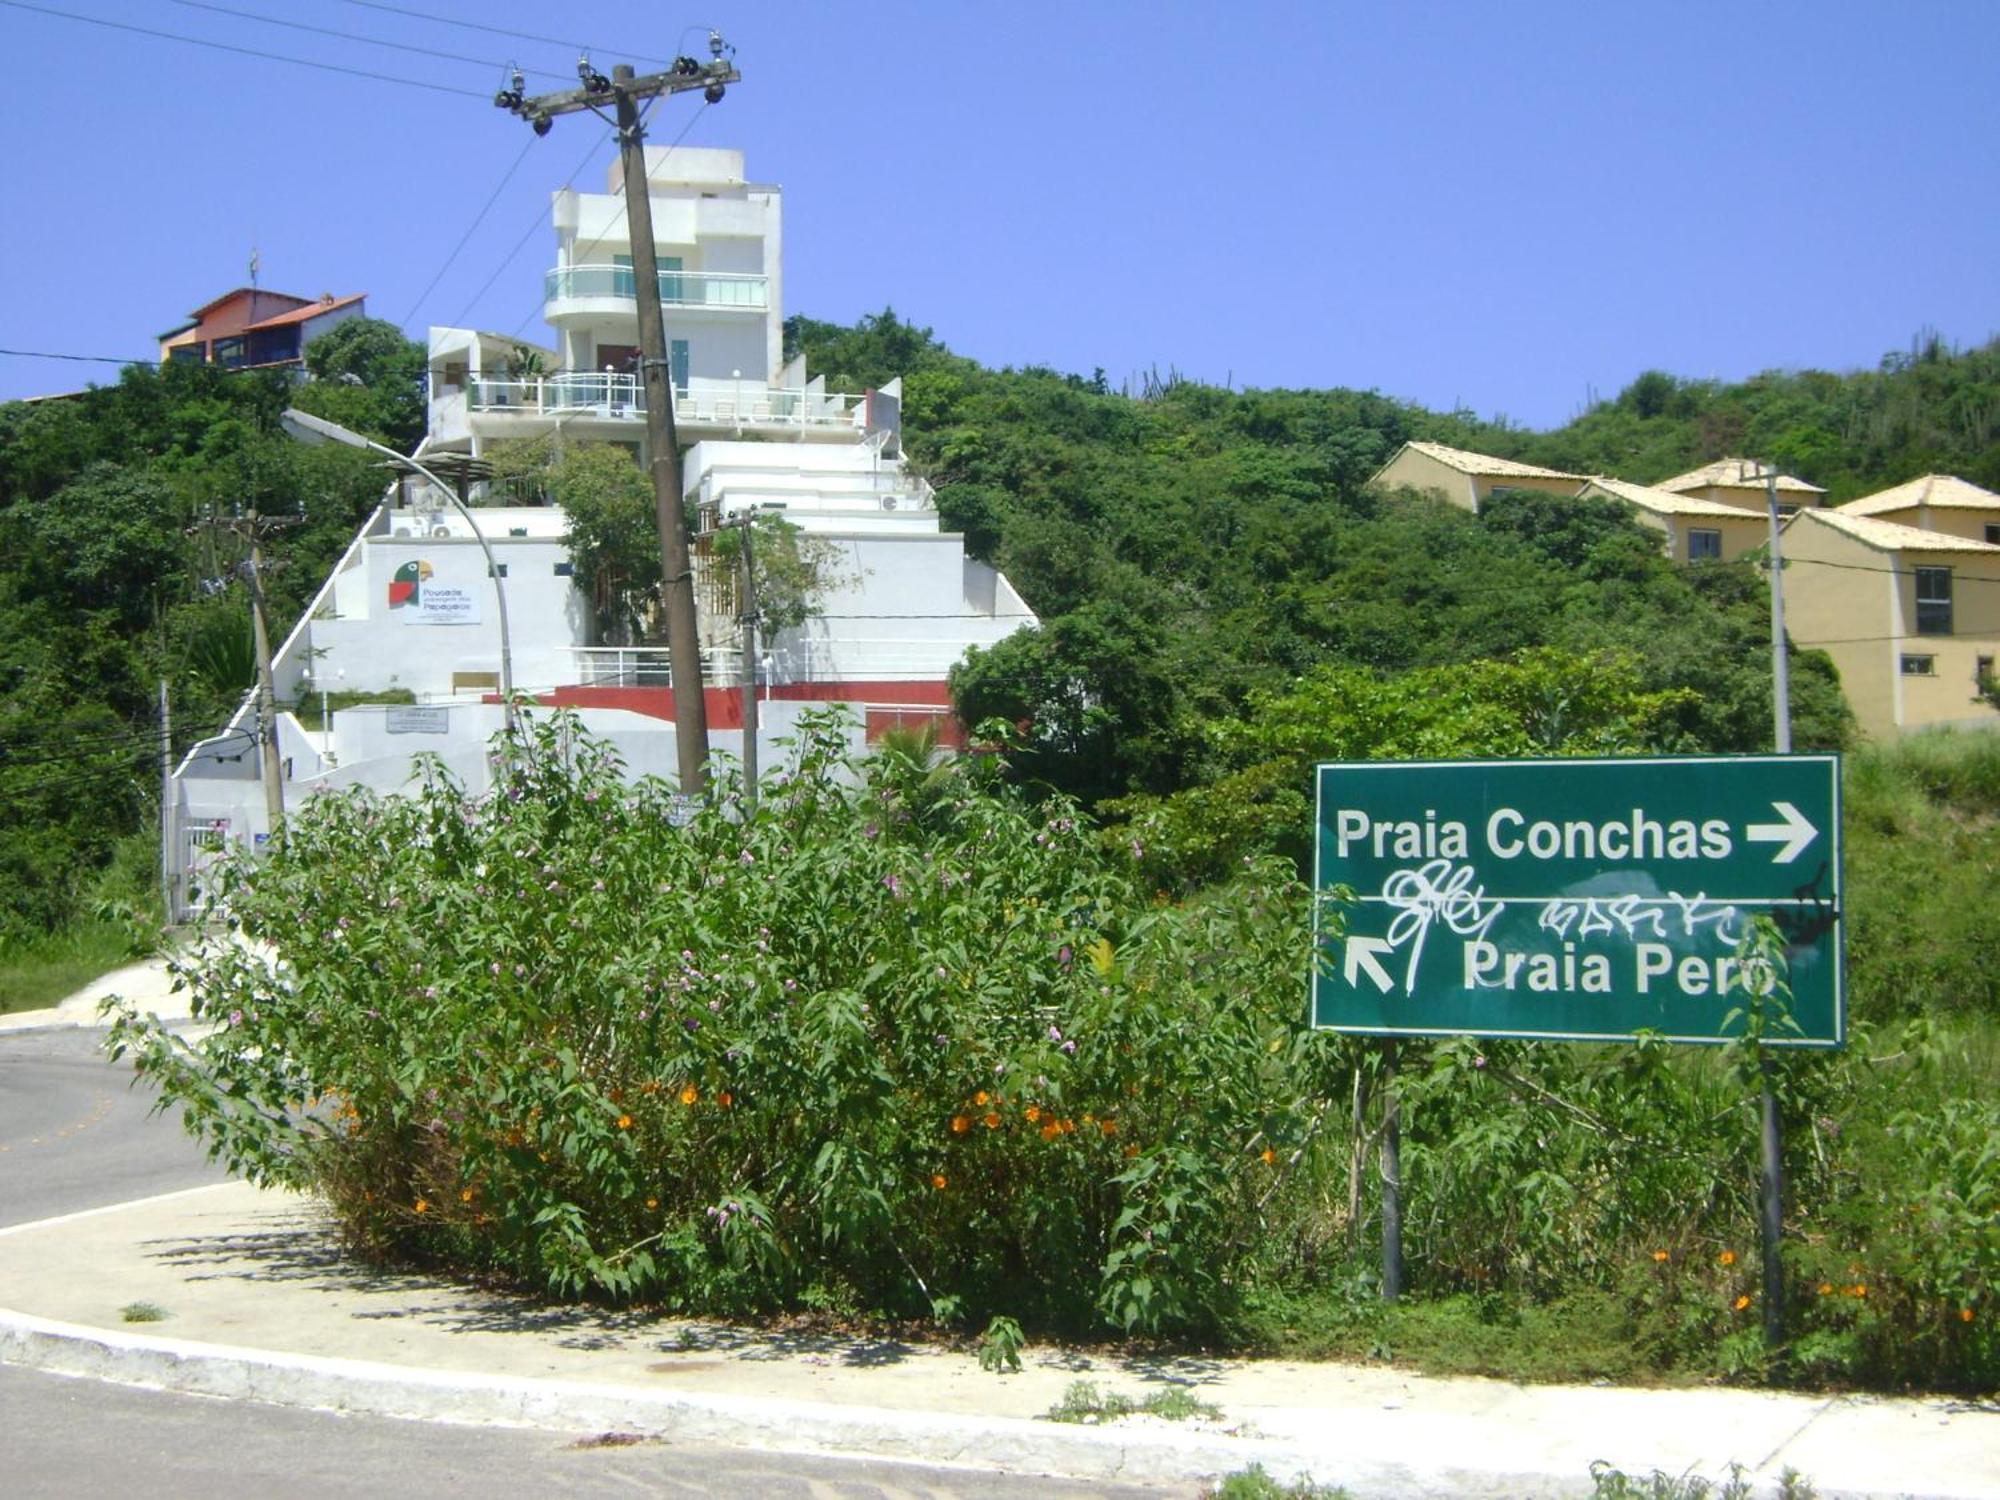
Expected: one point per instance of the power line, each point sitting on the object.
(522, 36)
(195, 41)
(101, 359)
(466, 238)
(352, 36)
(508, 259)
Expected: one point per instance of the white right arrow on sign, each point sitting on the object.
(1362, 955)
(1794, 833)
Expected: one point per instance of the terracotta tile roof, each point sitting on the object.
(1943, 491)
(1666, 503)
(301, 314)
(1479, 463)
(1892, 536)
(1730, 472)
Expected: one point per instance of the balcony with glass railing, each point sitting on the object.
(720, 291)
(613, 396)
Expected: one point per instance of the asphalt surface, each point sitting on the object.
(62, 1436)
(77, 1131)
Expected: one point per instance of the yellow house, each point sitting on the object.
(1695, 530)
(1911, 618)
(1465, 478)
(1728, 481)
(1936, 502)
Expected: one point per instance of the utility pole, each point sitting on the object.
(747, 617)
(623, 91)
(170, 874)
(267, 696)
(251, 529)
(1771, 1139)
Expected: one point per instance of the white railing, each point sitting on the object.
(681, 289)
(608, 394)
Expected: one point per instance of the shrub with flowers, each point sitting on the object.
(896, 1040)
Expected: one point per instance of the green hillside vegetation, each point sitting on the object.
(108, 586)
(1097, 939)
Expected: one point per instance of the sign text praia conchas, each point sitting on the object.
(1578, 899)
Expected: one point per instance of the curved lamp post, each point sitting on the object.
(308, 428)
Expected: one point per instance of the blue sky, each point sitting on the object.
(1501, 206)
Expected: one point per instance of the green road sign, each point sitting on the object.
(1577, 899)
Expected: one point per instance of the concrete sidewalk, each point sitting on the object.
(146, 984)
(261, 1304)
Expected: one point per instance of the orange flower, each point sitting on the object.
(422, 1206)
(465, 1195)
(991, 1120)
(1133, 1149)
(1068, 1126)
(1826, 1289)
(725, 1099)
(959, 1124)
(1267, 1156)
(1965, 1315)
(1051, 1130)
(652, 1203)
(514, 1136)
(1741, 1302)
(1033, 1112)
(1859, 1289)
(1659, 1255)
(624, 1122)
(1727, 1258)
(938, 1181)
(690, 1095)
(980, 1098)
(1109, 1127)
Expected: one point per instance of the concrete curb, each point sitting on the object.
(1135, 1455)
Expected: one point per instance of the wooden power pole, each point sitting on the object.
(622, 93)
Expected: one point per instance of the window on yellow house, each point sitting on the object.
(1920, 666)
(1933, 601)
(1704, 545)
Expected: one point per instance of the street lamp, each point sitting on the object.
(309, 429)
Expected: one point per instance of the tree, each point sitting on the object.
(794, 571)
(367, 376)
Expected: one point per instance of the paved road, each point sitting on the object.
(65, 1437)
(76, 1133)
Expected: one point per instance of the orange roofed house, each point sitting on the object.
(250, 326)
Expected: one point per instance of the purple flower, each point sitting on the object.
(1055, 1033)
(894, 884)
(1069, 1047)
(236, 1018)
(691, 1024)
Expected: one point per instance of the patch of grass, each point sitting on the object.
(1608, 1483)
(142, 1312)
(36, 973)
(1084, 1402)
(1254, 1484)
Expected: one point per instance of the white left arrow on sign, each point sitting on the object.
(1362, 956)
(1794, 833)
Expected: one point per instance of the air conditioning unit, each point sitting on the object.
(888, 502)
(440, 531)
(404, 531)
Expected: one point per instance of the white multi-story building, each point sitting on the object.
(719, 242)
(413, 612)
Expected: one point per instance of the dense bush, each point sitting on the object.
(912, 1047)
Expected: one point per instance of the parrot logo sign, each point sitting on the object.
(406, 584)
